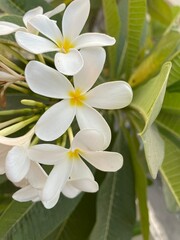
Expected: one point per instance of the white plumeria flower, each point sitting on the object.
(68, 60)
(78, 100)
(70, 174)
(13, 156)
(8, 27)
(32, 190)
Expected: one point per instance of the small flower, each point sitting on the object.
(70, 174)
(8, 27)
(78, 100)
(68, 60)
(32, 189)
(13, 156)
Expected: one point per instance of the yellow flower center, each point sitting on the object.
(65, 45)
(76, 97)
(74, 154)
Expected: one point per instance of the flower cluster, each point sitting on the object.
(82, 57)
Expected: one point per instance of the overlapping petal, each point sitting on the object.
(32, 13)
(85, 185)
(88, 140)
(56, 180)
(93, 40)
(55, 11)
(104, 161)
(47, 81)
(70, 191)
(48, 154)
(47, 27)
(110, 95)
(17, 164)
(7, 28)
(26, 194)
(69, 63)
(74, 18)
(88, 117)
(34, 44)
(94, 59)
(55, 121)
(80, 171)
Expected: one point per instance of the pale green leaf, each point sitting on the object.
(162, 52)
(171, 103)
(148, 98)
(112, 22)
(161, 11)
(25, 219)
(171, 168)
(136, 20)
(115, 202)
(154, 149)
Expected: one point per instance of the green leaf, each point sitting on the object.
(140, 184)
(26, 219)
(112, 22)
(116, 201)
(148, 98)
(175, 71)
(171, 103)
(154, 149)
(136, 20)
(161, 11)
(19, 7)
(153, 62)
(171, 168)
(79, 224)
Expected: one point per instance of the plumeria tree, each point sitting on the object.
(89, 116)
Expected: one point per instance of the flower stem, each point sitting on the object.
(70, 134)
(41, 58)
(12, 121)
(23, 111)
(11, 64)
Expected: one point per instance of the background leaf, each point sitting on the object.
(116, 201)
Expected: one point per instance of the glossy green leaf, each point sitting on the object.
(112, 22)
(161, 11)
(116, 201)
(171, 168)
(19, 7)
(79, 224)
(175, 71)
(26, 219)
(162, 52)
(136, 20)
(148, 98)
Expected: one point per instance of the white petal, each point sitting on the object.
(94, 59)
(88, 140)
(48, 154)
(18, 141)
(55, 11)
(110, 95)
(25, 194)
(35, 44)
(7, 28)
(17, 164)
(32, 13)
(47, 81)
(70, 191)
(88, 117)
(75, 17)
(51, 203)
(47, 27)
(69, 63)
(85, 185)
(55, 121)
(80, 170)
(3, 153)
(104, 161)
(56, 180)
(93, 40)
(36, 175)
